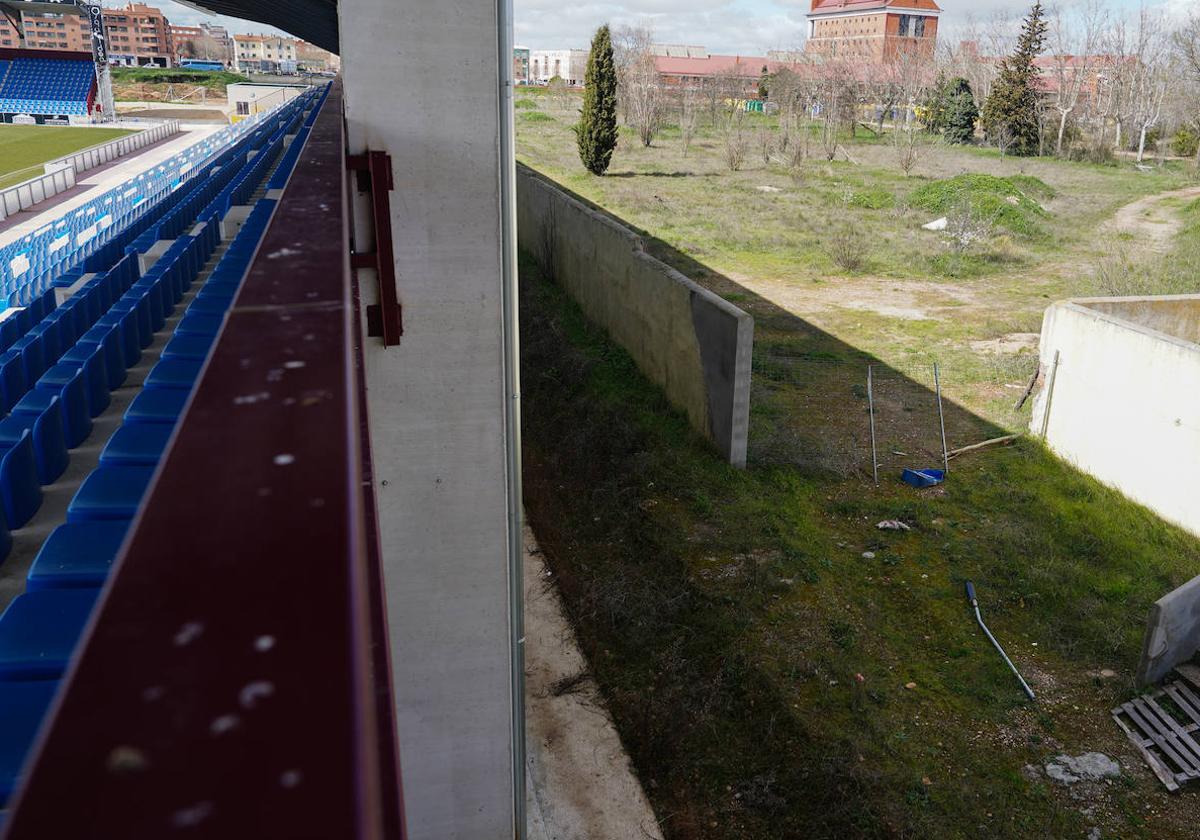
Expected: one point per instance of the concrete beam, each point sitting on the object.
(1172, 633)
(437, 403)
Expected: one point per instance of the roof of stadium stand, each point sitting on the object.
(313, 20)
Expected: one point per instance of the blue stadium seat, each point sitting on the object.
(49, 439)
(22, 707)
(76, 554)
(140, 445)
(20, 490)
(38, 632)
(110, 492)
(163, 406)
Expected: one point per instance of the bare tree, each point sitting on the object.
(909, 145)
(1187, 48)
(1150, 75)
(639, 85)
(733, 134)
(687, 119)
(1074, 40)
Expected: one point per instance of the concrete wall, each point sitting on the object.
(437, 402)
(1124, 403)
(689, 341)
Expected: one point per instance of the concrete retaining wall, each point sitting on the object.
(1124, 403)
(689, 341)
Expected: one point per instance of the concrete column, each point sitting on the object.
(422, 83)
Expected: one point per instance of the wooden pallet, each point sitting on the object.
(1167, 736)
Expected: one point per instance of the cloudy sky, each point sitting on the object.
(748, 27)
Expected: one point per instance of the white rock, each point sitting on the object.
(937, 224)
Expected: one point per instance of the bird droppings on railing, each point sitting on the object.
(188, 633)
(225, 723)
(252, 693)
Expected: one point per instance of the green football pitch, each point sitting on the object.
(24, 148)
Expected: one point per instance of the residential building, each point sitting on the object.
(213, 43)
(48, 31)
(139, 35)
(313, 59)
(568, 65)
(521, 65)
(875, 31)
(264, 54)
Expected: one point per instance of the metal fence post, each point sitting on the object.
(871, 408)
(937, 381)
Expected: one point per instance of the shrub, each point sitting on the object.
(1008, 201)
(873, 198)
(847, 247)
(536, 117)
(1185, 143)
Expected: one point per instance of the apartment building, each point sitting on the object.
(48, 31)
(568, 65)
(875, 31)
(139, 36)
(212, 43)
(264, 53)
(312, 59)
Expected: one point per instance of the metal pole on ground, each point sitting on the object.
(1049, 395)
(937, 381)
(871, 406)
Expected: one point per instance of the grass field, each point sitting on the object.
(24, 148)
(778, 666)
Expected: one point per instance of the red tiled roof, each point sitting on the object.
(717, 65)
(822, 6)
(848, 5)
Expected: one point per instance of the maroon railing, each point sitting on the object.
(234, 679)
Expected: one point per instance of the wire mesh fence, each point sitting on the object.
(829, 414)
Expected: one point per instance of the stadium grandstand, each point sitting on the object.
(46, 84)
(260, 509)
(56, 87)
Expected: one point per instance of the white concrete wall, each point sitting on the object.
(1124, 404)
(437, 401)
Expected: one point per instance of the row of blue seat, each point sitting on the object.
(40, 629)
(85, 235)
(46, 86)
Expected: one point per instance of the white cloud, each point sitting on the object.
(748, 27)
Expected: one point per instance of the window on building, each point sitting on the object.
(905, 25)
(243, 108)
(919, 28)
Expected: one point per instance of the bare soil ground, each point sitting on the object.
(1153, 220)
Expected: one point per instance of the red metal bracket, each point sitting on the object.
(374, 176)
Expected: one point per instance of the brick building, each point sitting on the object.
(872, 30)
(138, 35)
(47, 31)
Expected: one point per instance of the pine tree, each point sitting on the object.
(961, 112)
(1012, 108)
(597, 130)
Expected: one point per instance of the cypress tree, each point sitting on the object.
(961, 112)
(597, 130)
(1012, 107)
(764, 84)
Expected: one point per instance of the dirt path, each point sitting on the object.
(1149, 220)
